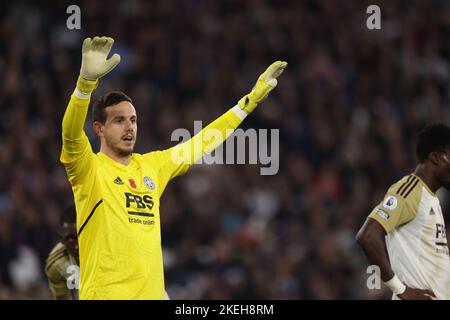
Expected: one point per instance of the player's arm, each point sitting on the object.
(392, 213)
(187, 153)
(60, 291)
(94, 65)
(371, 237)
(58, 285)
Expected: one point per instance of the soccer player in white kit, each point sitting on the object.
(405, 233)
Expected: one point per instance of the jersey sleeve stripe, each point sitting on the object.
(54, 254)
(402, 193)
(54, 259)
(404, 184)
(410, 189)
(90, 215)
(406, 187)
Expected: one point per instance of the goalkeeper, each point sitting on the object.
(117, 192)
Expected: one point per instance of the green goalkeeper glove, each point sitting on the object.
(265, 83)
(94, 64)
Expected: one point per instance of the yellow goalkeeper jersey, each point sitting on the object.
(118, 218)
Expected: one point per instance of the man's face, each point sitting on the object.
(444, 169)
(120, 128)
(69, 238)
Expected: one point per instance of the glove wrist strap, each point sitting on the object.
(247, 104)
(86, 86)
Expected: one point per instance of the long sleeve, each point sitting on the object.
(76, 150)
(178, 159)
(207, 140)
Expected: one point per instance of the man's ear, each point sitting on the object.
(435, 158)
(98, 128)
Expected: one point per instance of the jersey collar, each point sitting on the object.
(424, 184)
(115, 163)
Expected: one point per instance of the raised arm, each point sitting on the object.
(220, 129)
(94, 65)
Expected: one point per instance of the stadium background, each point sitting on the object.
(347, 107)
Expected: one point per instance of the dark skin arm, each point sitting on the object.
(371, 238)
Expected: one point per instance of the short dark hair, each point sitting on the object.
(433, 138)
(69, 215)
(107, 100)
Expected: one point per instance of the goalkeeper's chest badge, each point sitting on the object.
(149, 183)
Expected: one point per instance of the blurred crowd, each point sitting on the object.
(348, 107)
